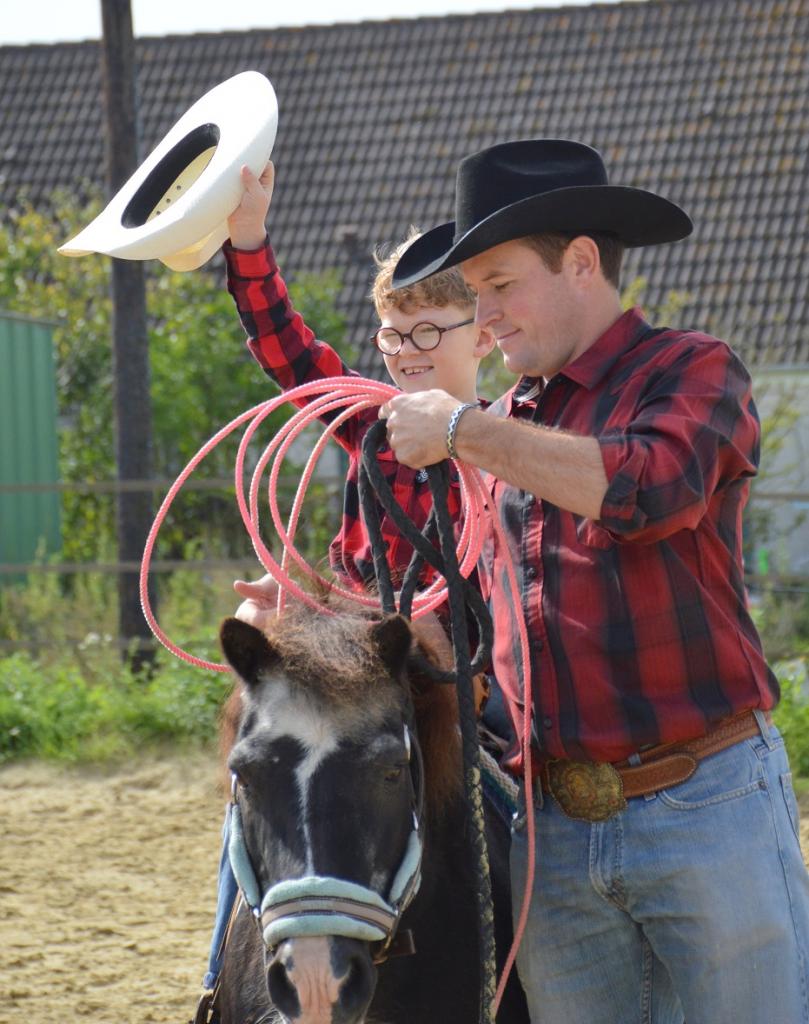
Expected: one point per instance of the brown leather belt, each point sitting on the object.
(594, 791)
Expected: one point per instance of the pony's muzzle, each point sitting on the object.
(319, 979)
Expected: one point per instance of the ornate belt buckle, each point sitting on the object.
(586, 790)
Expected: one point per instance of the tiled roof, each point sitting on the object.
(705, 101)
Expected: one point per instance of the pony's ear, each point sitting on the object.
(247, 649)
(392, 639)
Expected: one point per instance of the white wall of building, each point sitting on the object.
(782, 540)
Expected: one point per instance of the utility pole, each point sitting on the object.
(130, 344)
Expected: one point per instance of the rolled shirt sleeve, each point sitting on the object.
(277, 336)
(694, 432)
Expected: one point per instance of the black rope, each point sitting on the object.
(373, 485)
(460, 595)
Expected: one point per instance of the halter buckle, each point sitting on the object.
(401, 943)
(206, 1008)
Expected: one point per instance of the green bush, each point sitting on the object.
(201, 373)
(65, 692)
(56, 712)
(792, 715)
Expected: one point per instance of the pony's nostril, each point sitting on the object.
(282, 992)
(357, 985)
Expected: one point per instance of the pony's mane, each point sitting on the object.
(334, 657)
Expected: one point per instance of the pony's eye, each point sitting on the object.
(394, 774)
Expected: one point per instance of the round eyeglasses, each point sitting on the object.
(424, 336)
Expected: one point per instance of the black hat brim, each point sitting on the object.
(633, 215)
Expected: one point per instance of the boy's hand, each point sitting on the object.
(246, 223)
(259, 606)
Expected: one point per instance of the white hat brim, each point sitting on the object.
(194, 175)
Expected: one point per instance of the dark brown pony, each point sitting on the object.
(317, 734)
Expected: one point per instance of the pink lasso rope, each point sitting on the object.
(342, 398)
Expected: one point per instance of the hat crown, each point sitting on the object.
(501, 175)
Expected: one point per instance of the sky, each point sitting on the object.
(50, 21)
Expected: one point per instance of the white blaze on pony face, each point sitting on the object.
(286, 714)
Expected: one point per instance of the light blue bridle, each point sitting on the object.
(320, 905)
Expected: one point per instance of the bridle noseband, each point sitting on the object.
(318, 905)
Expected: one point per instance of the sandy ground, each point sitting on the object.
(107, 890)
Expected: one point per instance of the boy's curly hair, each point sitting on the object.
(442, 289)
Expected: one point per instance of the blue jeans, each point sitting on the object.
(692, 904)
(226, 897)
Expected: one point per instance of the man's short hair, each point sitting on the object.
(446, 288)
(551, 247)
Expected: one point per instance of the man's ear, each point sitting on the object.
(247, 649)
(582, 258)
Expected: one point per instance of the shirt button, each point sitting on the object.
(531, 572)
(547, 722)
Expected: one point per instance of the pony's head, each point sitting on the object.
(329, 777)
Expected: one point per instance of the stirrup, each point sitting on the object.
(207, 1012)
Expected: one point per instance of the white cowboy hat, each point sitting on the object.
(175, 206)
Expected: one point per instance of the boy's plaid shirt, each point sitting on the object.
(289, 353)
(638, 622)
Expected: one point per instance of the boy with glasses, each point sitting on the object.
(428, 339)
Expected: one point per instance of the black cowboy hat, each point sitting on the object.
(533, 186)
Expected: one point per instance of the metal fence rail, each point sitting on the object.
(107, 487)
(777, 582)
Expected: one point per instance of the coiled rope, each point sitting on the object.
(335, 400)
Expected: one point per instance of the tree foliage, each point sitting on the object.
(202, 373)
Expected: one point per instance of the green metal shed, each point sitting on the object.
(29, 520)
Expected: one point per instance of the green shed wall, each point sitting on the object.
(29, 521)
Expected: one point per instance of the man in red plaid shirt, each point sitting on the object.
(669, 880)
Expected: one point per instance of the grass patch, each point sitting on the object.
(800, 784)
(58, 713)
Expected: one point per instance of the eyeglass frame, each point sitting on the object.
(405, 335)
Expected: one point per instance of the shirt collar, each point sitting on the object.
(594, 364)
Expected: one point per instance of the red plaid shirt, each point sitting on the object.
(638, 621)
(289, 353)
